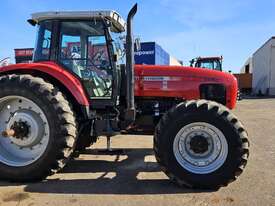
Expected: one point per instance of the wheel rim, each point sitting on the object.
(32, 131)
(200, 148)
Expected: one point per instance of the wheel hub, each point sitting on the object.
(199, 144)
(200, 148)
(25, 131)
(28, 128)
(21, 130)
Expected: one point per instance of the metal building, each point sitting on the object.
(247, 67)
(263, 62)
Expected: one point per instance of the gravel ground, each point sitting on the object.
(134, 178)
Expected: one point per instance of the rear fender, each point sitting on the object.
(68, 80)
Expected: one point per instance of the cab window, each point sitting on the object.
(43, 41)
(84, 50)
(206, 65)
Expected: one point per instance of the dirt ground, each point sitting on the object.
(134, 178)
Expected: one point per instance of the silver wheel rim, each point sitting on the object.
(200, 160)
(25, 150)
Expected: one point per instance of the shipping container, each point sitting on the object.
(152, 54)
(244, 82)
(174, 62)
(23, 55)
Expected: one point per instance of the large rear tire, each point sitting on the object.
(44, 125)
(201, 144)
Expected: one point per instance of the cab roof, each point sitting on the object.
(117, 23)
(209, 58)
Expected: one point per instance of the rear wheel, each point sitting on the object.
(38, 128)
(201, 144)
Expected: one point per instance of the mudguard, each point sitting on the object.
(71, 82)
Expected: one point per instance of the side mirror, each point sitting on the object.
(32, 22)
(137, 44)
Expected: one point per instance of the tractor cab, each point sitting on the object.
(213, 63)
(87, 45)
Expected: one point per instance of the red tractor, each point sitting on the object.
(73, 93)
(213, 63)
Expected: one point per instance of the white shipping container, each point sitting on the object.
(174, 62)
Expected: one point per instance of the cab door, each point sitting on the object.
(84, 50)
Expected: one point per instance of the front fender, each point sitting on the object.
(71, 82)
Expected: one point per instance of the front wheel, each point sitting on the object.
(201, 144)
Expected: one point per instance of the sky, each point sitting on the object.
(184, 28)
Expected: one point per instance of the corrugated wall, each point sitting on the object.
(261, 69)
(161, 57)
(152, 54)
(272, 69)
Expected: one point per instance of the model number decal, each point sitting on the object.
(160, 78)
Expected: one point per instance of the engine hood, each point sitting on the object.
(181, 82)
(184, 71)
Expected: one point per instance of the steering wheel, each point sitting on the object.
(98, 81)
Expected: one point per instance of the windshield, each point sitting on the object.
(209, 64)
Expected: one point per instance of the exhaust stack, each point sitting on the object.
(130, 111)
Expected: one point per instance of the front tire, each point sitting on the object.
(44, 125)
(201, 144)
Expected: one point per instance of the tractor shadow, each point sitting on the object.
(125, 180)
